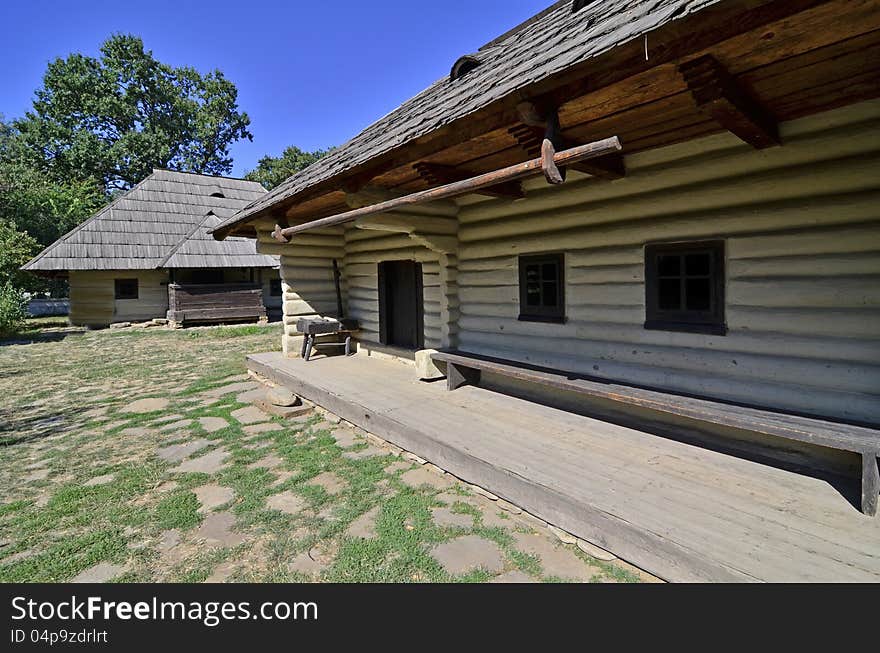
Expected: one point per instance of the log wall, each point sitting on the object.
(802, 230)
(93, 303)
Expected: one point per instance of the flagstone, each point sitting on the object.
(398, 465)
(287, 502)
(468, 553)
(99, 480)
(211, 496)
(210, 463)
(100, 573)
(177, 452)
(555, 560)
(213, 424)
(216, 530)
(513, 576)
(331, 483)
(173, 426)
(266, 427)
(167, 418)
(444, 517)
(345, 437)
(149, 405)
(368, 452)
(249, 415)
(269, 462)
(421, 476)
(222, 572)
(365, 525)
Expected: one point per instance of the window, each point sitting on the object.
(275, 287)
(126, 288)
(684, 287)
(541, 288)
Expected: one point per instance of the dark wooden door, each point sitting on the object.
(401, 304)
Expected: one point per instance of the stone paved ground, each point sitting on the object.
(133, 456)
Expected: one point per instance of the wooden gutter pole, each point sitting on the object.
(548, 164)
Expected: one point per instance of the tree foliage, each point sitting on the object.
(116, 117)
(12, 313)
(271, 171)
(44, 208)
(16, 249)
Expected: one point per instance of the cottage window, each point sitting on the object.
(275, 287)
(126, 288)
(541, 288)
(684, 287)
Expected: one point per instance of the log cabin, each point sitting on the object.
(148, 254)
(661, 215)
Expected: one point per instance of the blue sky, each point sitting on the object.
(311, 74)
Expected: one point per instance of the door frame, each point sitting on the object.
(418, 283)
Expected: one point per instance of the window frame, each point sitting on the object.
(710, 321)
(552, 314)
(117, 289)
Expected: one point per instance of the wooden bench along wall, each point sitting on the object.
(211, 302)
(464, 368)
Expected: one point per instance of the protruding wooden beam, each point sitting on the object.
(551, 172)
(720, 96)
(459, 188)
(436, 174)
(530, 139)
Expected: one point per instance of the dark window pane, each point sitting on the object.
(126, 288)
(670, 295)
(533, 294)
(668, 265)
(698, 294)
(697, 264)
(541, 289)
(549, 293)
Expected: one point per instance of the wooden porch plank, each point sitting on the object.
(675, 509)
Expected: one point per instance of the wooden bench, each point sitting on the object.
(463, 368)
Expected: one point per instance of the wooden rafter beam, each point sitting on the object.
(531, 137)
(436, 174)
(515, 172)
(720, 96)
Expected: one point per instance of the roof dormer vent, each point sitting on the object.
(463, 66)
(215, 191)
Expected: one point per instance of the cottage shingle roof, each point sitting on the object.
(548, 43)
(162, 222)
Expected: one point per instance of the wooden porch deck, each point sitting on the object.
(679, 511)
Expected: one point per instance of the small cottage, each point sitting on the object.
(148, 254)
(660, 217)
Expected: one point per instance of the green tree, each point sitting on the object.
(16, 249)
(116, 117)
(271, 171)
(46, 209)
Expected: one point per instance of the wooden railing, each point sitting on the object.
(216, 302)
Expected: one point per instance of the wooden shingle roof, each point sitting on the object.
(547, 44)
(162, 222)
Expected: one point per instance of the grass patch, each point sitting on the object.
(180, 510)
